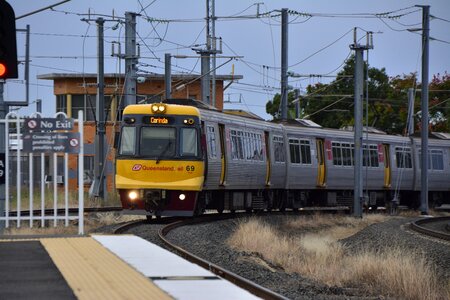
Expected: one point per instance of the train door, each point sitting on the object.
(268, 161)
(387, 166)
(223, 151)
(321, 168)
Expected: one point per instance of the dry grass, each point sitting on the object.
(92, 222)
(396, 273)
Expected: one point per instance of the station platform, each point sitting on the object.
(104, 267)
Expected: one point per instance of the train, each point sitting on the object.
(181, 157)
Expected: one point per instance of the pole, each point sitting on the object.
(3, 109)
(167, 76)
(213, 48)
(359, 81)
(424, 108)
(358, 94)
(27, 65)
(98, 188)
(410, 111)
(130, 59)
(205, 79)
(284, 63)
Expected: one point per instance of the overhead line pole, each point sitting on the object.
(130, 60)
(284, 63)
(358, 94)
(424, 108)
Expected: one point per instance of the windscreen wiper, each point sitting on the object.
(163, 152)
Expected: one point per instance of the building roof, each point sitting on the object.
(53, 76)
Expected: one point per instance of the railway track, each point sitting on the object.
(51, 211)
(173, 223)
(435, 227)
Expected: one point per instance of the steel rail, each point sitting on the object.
(417, 226)
(73, 210)
(232, 277)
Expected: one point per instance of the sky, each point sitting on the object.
(319, 36)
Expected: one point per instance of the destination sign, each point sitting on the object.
(48, 124)
(52, 142)
(156, 120)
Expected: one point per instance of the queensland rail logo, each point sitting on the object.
(137, 167)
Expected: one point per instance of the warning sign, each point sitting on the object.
(50, 142)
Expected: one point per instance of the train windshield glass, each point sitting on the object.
(127, 141)
(188, 142)
(158, 141)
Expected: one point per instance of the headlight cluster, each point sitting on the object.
(133, 195)
(159, 108)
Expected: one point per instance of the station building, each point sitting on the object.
(75, 92)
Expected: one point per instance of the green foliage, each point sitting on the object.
(331, 105)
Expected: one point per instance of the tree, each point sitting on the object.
(331, 105)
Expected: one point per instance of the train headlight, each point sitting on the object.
(182, 197)
(159, 108)
(133, 195)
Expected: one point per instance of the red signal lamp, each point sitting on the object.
(2, 69)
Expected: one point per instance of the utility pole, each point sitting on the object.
(358, 91)
(99, 158)
(167, 76)
(410, 111)
(424, 108)
(284, 64)
(130, 59)
(3, 112)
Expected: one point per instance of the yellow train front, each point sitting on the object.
(159, 162)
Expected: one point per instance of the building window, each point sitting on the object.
(61, 103)
(278, 149)
(403, 157)
(86, 103)
(211, 140)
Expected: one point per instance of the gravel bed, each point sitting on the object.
(396, 232)
(208, 241)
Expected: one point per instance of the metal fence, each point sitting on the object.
(39, 175)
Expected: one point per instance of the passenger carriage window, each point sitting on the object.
(370, 156)
(435, 159)
(128, 141)
(236, 145)
(300, 151)
(403, 157)
(278, 149)
(306, 152)
(337, 153)
(189, 142)
(211, 140)
(294, 150)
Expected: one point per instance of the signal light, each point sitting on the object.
(2, 69)
(8, 47)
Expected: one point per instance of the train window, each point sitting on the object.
(337, 153)
(189, 142)
(158, 141)
(343, 154)
(278, 149)
(435, 159)
(294, 149)
(211, 140)
(246, 145)
(403, 157)
(300, 151)
(127, 141)
(236, 145)
(370, 156)
(306, 151)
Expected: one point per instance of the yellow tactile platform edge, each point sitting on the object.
(93, 272)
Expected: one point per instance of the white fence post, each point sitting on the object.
(32, 133)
